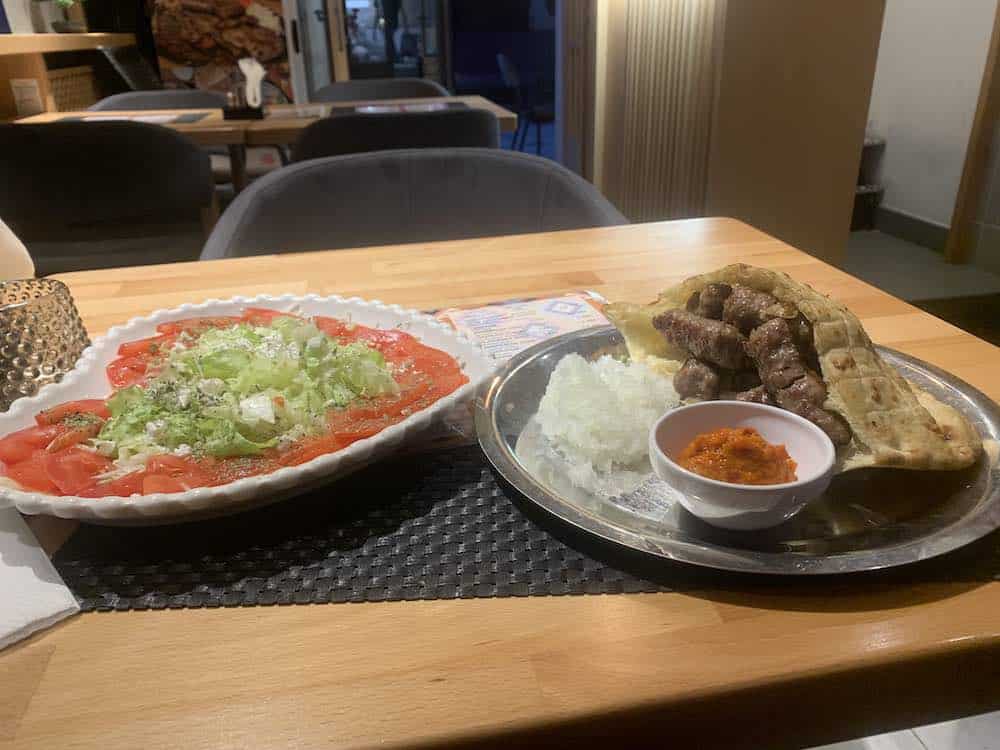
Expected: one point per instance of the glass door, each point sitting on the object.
(307, 30)
(391, 38)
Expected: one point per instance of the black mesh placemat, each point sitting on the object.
(425, 526)
(434, 526)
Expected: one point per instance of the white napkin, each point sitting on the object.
(254, 74)
(32, 595)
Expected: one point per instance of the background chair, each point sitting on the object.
(259, 159)
(356, 133)
(161, 99)
(84, 195)
(380, 88)
(413, 195)
(535, 107)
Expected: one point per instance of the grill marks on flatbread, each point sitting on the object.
(891, 423)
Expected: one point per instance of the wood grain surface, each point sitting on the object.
(285, 130)
(732, 663)
(213, 130)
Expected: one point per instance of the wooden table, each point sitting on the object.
(277, 129)
(282, 126)
(210, 130)
(733, 665)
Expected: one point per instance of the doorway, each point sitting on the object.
(506, 52)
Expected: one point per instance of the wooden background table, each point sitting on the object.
(277, 129)
(210, 130)
(281, 128)
(732, 664)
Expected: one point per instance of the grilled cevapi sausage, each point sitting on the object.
(756, 395)
(708, 340)
(697, 379)
(746, 309)
(784, 374)
(709, 302)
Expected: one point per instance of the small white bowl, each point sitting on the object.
(742, 506)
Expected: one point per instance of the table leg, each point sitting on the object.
(238, 165)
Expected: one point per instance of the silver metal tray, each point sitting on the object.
(867, 520)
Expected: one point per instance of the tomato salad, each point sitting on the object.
(207, 401)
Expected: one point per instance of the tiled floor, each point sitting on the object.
(965, 296)
(911, 271)
(974, 733)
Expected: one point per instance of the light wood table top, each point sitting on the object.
(734, 663)
(282, 126)
(210, 130)
(277, 129)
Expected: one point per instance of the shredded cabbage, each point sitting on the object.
(239, 390)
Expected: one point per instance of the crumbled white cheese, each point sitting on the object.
(182, 450)
(104, 447)
(259, 408)
(154, 428)
(291, 437)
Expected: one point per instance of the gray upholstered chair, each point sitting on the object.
(161, 99)
(86, 195)
(355, 133)
(379, 88)
(259, 159)
(412, 195)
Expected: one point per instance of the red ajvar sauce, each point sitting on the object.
(738, 456)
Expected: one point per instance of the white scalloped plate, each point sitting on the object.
(88, 380)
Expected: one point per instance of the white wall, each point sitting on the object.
(927, 80)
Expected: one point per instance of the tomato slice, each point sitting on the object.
(261, 316)
(390, 341)
(32, 474)
(126, 371)
(308, 449)
(56, 414)
(223, 471)
(73, 437)
(195, 325)
(434, 362)
(335, 328)
(161, 483)
(19, 446)
(151, 346)
(74, 469)
(130, 484)
(185, 471)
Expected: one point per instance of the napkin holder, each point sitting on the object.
(237, 108)
(243, 113)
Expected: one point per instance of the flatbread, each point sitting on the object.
(893, 423)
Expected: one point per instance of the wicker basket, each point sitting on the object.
(73, 88)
